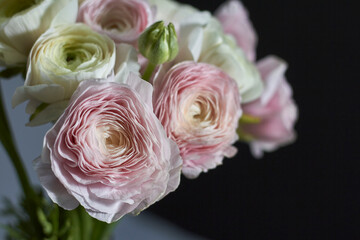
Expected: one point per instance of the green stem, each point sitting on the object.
(75, 230)
(102, 230)
(148, 71)
(8, 143)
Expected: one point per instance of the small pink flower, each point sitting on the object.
(275, 110)
(109, 152)
(122, 20)
(234, 18)
(199, 107)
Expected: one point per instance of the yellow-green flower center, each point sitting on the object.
(74, 57)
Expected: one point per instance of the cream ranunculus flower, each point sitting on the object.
(23, 21)
(62, 58)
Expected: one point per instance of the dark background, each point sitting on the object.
(308, 190)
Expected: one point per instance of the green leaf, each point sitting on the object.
(46, 225)
(13, 233)
(28, 221)
(64, 229)
(54, 218)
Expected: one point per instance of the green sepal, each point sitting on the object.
(249, 119)
(246, 119)
(40, 108)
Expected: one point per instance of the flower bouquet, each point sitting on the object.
(138, 92)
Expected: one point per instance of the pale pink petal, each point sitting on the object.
(235, 20)
(56, 191)
(121, 20)
(275, 111)
(110, 152)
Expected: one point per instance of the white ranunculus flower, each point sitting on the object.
(225, 54)
(63, 57)
(203, 40)
(23, 21)
(172, 11)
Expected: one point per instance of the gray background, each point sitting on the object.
(29, 141)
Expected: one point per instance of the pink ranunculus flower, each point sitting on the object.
(234, 18)
(199, 107)
(272, 117)
(121, 20)
(109, 152)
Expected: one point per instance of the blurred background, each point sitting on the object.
(308, 190)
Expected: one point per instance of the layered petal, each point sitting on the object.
(22, 22)
(235, 21)
(63, 57)
(203, 40)
(121, 20)
(109, 151)
(273, 114)
(199, 107)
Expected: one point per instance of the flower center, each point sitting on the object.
(75, 55)
(119, 26)
(70, 57)
(201, 112)
(112, 139)
(119, 18)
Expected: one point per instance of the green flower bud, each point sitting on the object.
(158, 43)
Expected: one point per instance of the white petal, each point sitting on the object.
(10, 56)
(191, 44)
(31, 106)
(49, 114)
(42, 92)
(22, 30)
(171, 11)
(126, 62)
(66, 12)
